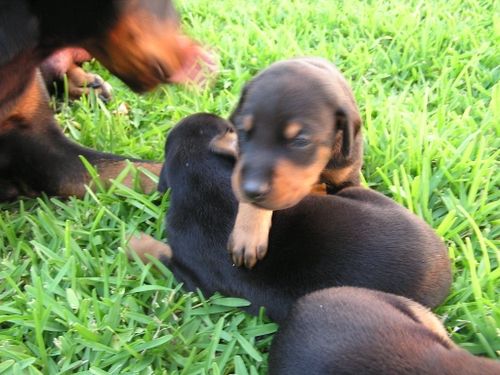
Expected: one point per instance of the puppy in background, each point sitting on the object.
(353, 331)
(356, 237)
(298, 126)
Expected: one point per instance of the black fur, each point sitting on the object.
(353, 331)
(357, 237)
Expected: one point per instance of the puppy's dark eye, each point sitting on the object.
(300, 141)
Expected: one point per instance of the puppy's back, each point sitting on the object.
(357, 331)
(358, 237)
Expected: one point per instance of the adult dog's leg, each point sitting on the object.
(68, 61)
(36, 157)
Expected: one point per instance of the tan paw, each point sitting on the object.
(143, 245)
(249, 240)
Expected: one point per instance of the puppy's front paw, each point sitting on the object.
(248, 241)
(246, 250)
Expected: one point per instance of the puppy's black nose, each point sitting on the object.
(255, 190)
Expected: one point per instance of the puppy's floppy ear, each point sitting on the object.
(348, 121)
(225, 143)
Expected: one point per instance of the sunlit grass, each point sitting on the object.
(425, 75)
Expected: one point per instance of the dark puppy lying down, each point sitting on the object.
(353, 331)
(357, 237)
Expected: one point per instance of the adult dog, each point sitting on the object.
(139, 41)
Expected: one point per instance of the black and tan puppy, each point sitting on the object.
(353, 331)
(298, 125)
(138, 40)
(356, 237)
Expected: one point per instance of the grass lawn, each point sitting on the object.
(426, 77)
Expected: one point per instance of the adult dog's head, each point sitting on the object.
(145, 46)
(292, 120)
(140, 41)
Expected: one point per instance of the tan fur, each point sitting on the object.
(109, 170)
(292, 130)
(225, 144)
(236, 180)
(144, 245)
(429, 320)
(136, 43)
(340, 175)
(248, 241)
(31, 105)
(248, 123)
(318, 189)
(290, 183)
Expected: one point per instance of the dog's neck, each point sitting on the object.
(193, 186)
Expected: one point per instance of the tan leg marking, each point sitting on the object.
(249, 239)
(144, 245)
(109, 170)
(430, 321)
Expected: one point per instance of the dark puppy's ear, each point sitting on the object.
(225, 143)
(163, 182)
(241, 102)
(349, 122)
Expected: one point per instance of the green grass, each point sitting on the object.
(426, 77)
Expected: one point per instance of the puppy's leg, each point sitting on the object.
(36, 157)
(144, 245)
(249, 239)
(68, 61)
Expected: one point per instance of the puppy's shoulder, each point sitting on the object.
(367, 196)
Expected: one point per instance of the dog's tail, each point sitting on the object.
(143, 245)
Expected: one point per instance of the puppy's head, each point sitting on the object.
(291, 120)
(145, 46)
(193, 144)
